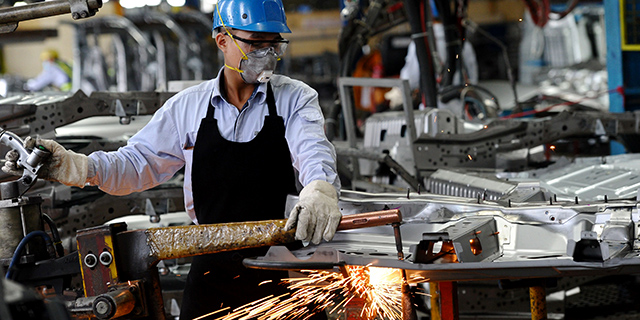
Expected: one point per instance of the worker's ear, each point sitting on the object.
(221, 41)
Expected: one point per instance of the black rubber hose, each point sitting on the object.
(452, 40)
(423, 51)
(56, 236)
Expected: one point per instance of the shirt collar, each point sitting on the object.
(260, 91)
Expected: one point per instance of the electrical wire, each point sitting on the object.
(451, 92)
(54, 233)
(21, 246)
(566, 103)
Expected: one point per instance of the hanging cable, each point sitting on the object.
(505, 55)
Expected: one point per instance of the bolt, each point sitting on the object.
(84, 14)
(106, 258)
(75, 16)
(90, 260)
(102, 308)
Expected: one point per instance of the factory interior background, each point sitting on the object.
(490, 144)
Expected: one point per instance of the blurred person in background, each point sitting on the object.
(55, 73)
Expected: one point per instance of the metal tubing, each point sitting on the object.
(370, 219)
(408, 311)
(40, 10)
(114, 304)
(537, 295)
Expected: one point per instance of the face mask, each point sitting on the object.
(259, 65)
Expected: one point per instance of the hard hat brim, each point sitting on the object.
(269, 26)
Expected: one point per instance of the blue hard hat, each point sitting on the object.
(251, 15)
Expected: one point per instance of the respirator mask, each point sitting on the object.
(258, 65)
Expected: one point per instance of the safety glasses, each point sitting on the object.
(279, 46)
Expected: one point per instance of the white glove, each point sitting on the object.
(317, 213)
(394, 96)
(64, 166)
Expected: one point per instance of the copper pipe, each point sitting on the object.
(370, 219)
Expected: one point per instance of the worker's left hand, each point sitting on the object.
(316, 216)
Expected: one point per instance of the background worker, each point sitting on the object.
(239, 137)
(55, 73)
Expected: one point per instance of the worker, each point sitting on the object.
(55, 73)
(239, 137)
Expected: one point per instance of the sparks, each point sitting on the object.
(379, 290)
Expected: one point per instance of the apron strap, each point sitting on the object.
(211, 110)
(271, 101)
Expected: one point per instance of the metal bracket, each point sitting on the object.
(471, 240)
(8, 27)
(80, 9)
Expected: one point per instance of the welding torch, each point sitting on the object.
(155, 244)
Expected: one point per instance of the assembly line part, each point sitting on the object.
(9, 17)
(155, 244)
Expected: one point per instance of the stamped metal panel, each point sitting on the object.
(534, 238)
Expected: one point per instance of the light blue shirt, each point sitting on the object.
(51, 74)
(165, 144)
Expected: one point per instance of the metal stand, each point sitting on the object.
(537, 295)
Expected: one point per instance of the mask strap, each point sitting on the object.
(234, 69)
(244, 56)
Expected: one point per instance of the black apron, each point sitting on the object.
(235, 182)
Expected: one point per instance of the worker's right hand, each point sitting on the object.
(64, 166)
(316, 216)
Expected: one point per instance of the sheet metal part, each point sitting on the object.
(383, 159)
(467, 185)
(444, 141)
(41, 113)
(588, 178)
(534, 238)
(479, 149)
